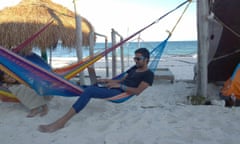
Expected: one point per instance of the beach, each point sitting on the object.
(159, 115)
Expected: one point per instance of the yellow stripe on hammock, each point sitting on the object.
(7, 96)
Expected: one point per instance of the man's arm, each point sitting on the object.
(106, 81)
(131, 90)
(142, 86)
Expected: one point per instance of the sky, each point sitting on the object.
(129, 16)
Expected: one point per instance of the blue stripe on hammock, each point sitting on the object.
(36, 59)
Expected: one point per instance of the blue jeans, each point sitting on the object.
(94, 92)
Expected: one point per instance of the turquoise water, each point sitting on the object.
(173, 48)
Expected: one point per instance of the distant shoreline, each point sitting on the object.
(173, 48)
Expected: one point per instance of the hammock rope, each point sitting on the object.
(82, 65)
(226, 26)
(157, 52)
(30, 39)
(218, 20)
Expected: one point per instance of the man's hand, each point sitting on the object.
(113, 85)
(102, 80)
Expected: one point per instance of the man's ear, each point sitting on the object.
(147, 60)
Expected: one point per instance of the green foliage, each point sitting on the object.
(196, 100)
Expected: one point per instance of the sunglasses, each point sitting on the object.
(139, 58)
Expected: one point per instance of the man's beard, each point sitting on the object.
(139, 66)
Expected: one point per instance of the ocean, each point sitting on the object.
(173, 49)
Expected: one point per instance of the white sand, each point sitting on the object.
(160, 115)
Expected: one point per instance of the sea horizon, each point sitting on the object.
(172, 49)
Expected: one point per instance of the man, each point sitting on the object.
(138, 78)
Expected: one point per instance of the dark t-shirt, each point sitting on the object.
(134, 78)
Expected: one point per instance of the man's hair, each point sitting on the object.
(144, 52)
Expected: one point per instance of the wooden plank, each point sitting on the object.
(164, 74)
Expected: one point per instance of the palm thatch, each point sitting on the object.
(20, 22)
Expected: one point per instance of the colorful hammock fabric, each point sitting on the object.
(67, 71)
(7, 96)
(42, 81)
(36, 59)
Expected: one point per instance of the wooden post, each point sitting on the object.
(114, 34)
(79, 40)
(122, 56)
(91, 70)
(203, 47)
(106, 58)
(91, 46)
(114, 62)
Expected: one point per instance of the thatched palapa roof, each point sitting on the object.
(23, 20)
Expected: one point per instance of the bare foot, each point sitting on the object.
(44, 110)
(58, 124)
(49, 128)
(33, 112)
